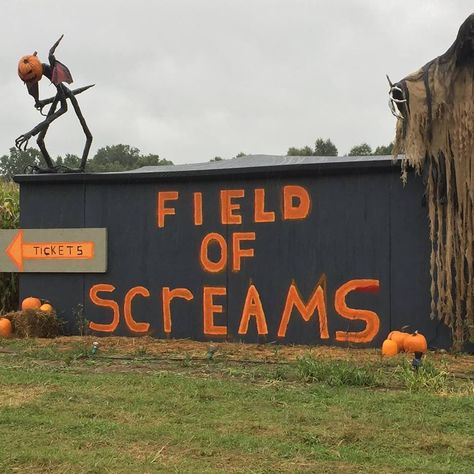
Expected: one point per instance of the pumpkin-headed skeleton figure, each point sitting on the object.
(435, 129)
(31, 70)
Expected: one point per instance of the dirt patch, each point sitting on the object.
(14, 396)
(184, 349)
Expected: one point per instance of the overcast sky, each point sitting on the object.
(190, 80)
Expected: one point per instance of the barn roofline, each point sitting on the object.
(250, 165)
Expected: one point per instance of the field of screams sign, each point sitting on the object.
(318, 259)
(260, 262)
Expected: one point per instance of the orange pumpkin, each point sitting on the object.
(5, 327)
(398, 337)
(30, 303)
(30, 68)
(389, 348)
(415, 343)
(46, 308)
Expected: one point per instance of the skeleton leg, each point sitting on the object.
(40, 139)
(85, 128)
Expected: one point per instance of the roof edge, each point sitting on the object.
(238, 168)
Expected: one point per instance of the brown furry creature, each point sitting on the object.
(435, 130)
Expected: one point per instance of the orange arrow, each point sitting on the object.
(19, 250)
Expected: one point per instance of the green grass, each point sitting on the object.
(66, 411)
(336, 373)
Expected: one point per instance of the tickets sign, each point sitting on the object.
(54, 250)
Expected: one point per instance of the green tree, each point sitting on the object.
(216, 158)
(16, 162)
(114, 158)
(324, 148)
(110, 158)
(122, 158)
(72, 161)
(361, 150)
(69, 161)
(305, 151)
(321, 148)
(152, 160)
(384, 150)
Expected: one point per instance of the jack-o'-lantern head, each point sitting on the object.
(30, 69)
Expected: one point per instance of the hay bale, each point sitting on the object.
(33, 323)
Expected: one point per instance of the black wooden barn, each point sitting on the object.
(312, 250)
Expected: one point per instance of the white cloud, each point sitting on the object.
(191, 80)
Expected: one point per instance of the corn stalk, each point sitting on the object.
(9, 219)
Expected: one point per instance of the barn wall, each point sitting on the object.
(362, 225)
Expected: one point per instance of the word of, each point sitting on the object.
(237, 251)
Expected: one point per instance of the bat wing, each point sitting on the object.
(60, 74)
